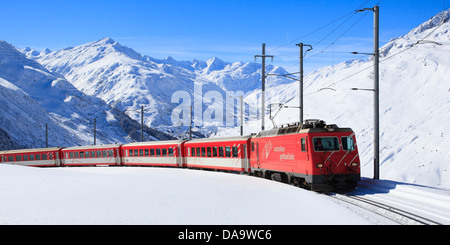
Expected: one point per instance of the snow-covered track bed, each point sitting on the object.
(397, 215)
(402, 203)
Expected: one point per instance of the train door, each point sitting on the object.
(118, 158)
(304, 149)
(245, 157)
(257, 154)
(57, 159)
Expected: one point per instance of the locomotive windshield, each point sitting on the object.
(326, 144)
(348, 144)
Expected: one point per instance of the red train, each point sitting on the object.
(314, 155)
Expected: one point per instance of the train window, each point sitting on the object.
(235, 151)
(158, 152)
(253, 146)
(25, 157)
(228, 151)
(81, 154)
(38, 157)
(348, 144)
(220, 151)
(104, 153)
(99, 154)
(326, 144)
(86, 154)
(214, 151)
(131, 152)
(198, 151)
(44, 156)
(146, 152)
(192, 151)
(164, 152)
(10, 158)
(170, 152)
(141, 152)
(152, 152)
(77, 154)
(304, 146)
(32, 157)
(18, 158)
(208, 151)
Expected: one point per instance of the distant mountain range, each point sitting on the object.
(127, 80)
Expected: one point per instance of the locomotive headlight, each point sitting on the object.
(355, 164)
(319, 165)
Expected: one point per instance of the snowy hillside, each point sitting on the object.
(32, 96)
(414, 104)
(126, 80)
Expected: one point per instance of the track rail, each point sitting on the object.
(397, 215)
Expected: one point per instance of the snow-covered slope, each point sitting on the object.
(414, 104)
(126, 80)
(33, 96)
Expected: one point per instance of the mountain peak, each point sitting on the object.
(106, 40)
(215, 63)
(436, 20)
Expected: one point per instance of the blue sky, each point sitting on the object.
(232, 30)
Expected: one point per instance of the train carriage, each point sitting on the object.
(95, 155)
(228, 153)
(154, 153)
(319, 156)
(44, 157)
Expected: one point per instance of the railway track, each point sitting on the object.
(395, 214)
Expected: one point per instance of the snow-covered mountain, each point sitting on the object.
(414, 104)
(32, 96)
(126, 80)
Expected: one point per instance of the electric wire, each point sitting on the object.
(443, 20)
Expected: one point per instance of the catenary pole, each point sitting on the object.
(376, 34)
(301, 45)
(142, 123)
(263, 56)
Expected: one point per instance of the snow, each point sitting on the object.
(158, 196)
(172, 196)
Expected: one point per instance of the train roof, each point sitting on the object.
(164, 142)
(31, 150)
(89, 147)
(220, 139)
(309, 126)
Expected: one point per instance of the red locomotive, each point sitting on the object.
(313, 155)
